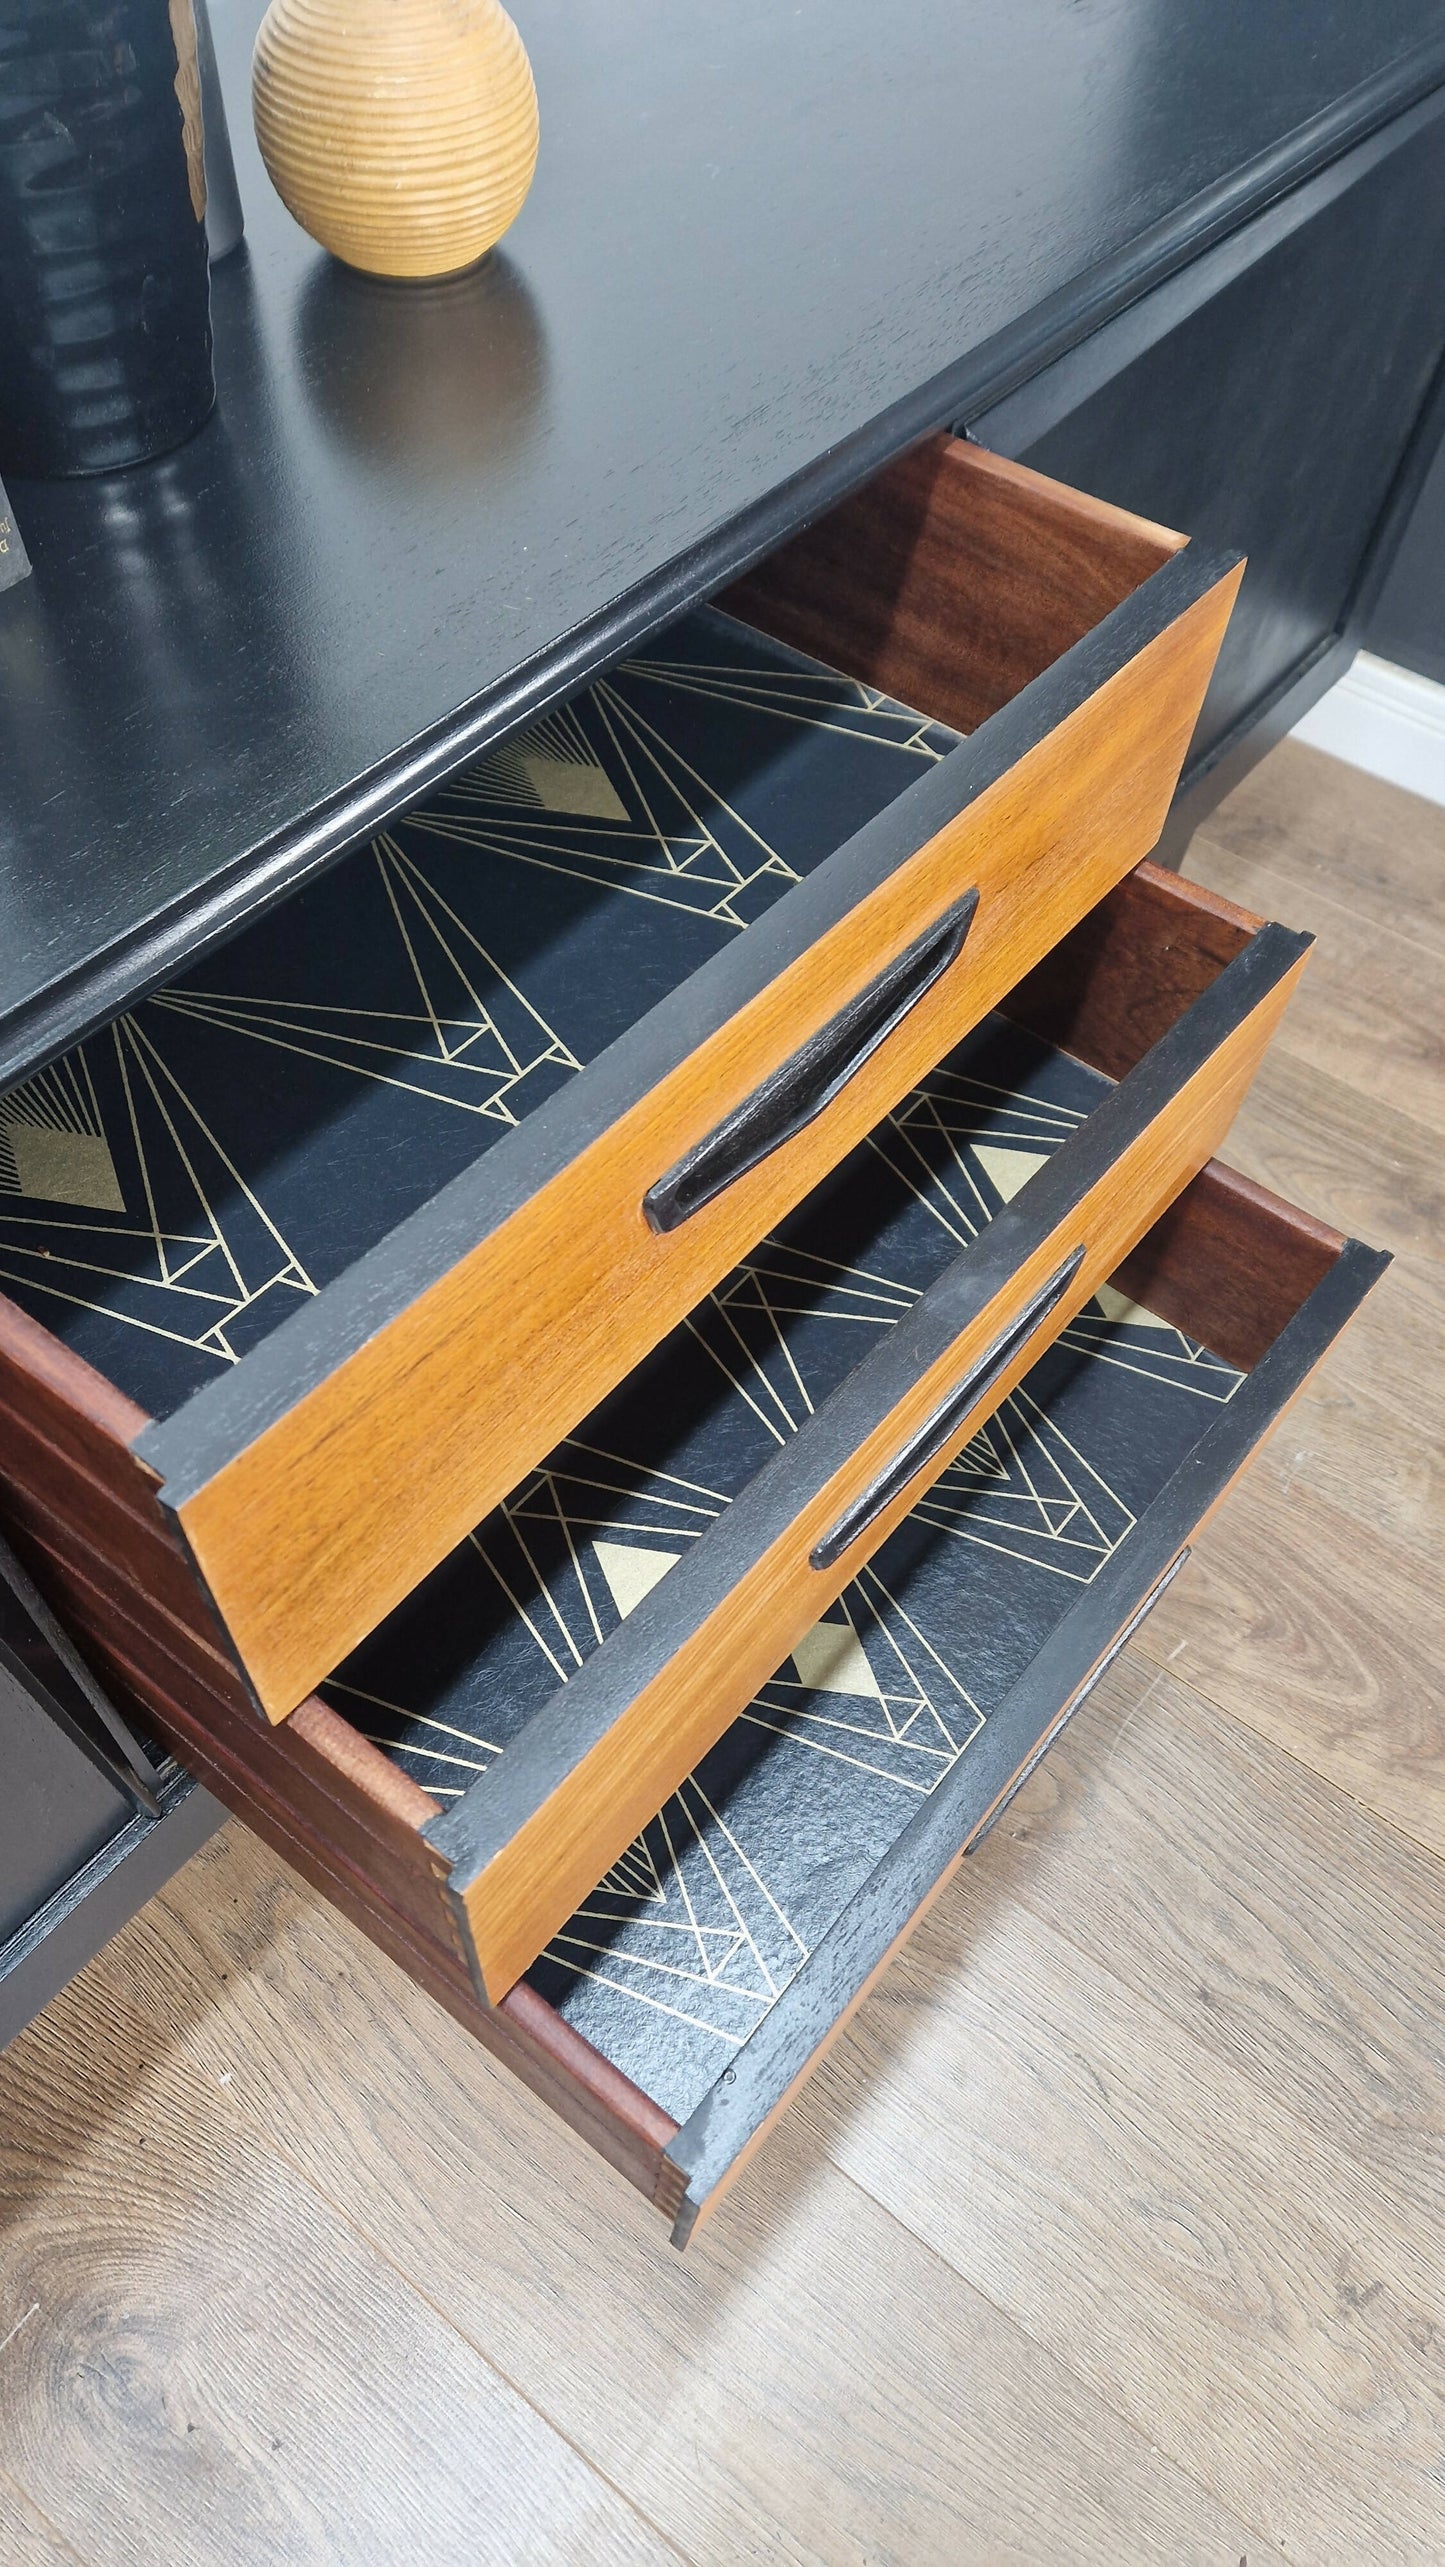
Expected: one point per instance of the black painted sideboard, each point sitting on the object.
(1183, 260)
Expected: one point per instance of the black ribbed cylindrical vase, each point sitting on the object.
(105, 319)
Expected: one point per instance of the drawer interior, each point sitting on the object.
(180, 1184)
(683, 1949)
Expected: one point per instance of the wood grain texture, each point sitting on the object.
(1376, 1015)
(675, 389)
(1144, 2210)
(331, 1804)
(59, 1396)
(1390, 1357)
(402, 134)
(330, 1801)
(42, 1483)
(25, 2533)
(518, 1899)
(696, 2216)
(1318, 1660)
(808, 2381)
(1293, 1935)
(1363, 1167)
(314, 1787)
(1313, 1615)
(1118, 980)
(1230, 1263)
(797, 2029)
(321, 1524)
(1340, 834)
(952, 580)
(81, 1508)
(202, 2312)
(1370, 1436)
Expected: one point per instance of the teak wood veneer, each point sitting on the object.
(346, 1455)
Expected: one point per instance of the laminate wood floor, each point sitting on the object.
(1115, 2231)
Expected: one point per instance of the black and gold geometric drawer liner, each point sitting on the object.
(676, 1957)
(176, 1186)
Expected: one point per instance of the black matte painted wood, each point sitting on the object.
(1271, 392)
(417, 516)
(77, 1858)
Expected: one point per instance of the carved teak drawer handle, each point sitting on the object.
(817, 1072)
(939, 1429)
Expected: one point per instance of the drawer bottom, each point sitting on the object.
(717, 1959)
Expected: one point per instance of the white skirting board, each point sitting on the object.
(1387, 721)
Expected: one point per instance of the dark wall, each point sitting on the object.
(1408, 621)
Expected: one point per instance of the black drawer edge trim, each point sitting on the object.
(778, 2054)
(474, 1830)
(221, 1420)
(79, 1918)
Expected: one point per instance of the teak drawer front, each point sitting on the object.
(528, 1841)
(347, 1454)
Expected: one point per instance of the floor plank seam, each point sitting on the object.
(1313, 894)
(1422, 1136)
(1236, 856)
(1090, 2389)
(1173, 2457)
(1368, 1809)
(1061, 1923)
(266, 2139)
(62, 2544)
(1434, 1854)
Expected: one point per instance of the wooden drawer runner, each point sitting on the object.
(503, 1096)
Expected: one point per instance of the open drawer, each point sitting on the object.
(500, 1098)
(604, 1626)
(672, 2011)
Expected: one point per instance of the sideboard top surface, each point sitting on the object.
(766, 247)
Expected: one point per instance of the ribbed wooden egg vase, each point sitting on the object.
(402, 134)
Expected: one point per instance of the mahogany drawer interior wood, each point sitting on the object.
(673, 2013)
(332, 1285)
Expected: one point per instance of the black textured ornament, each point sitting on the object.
(105, 329)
